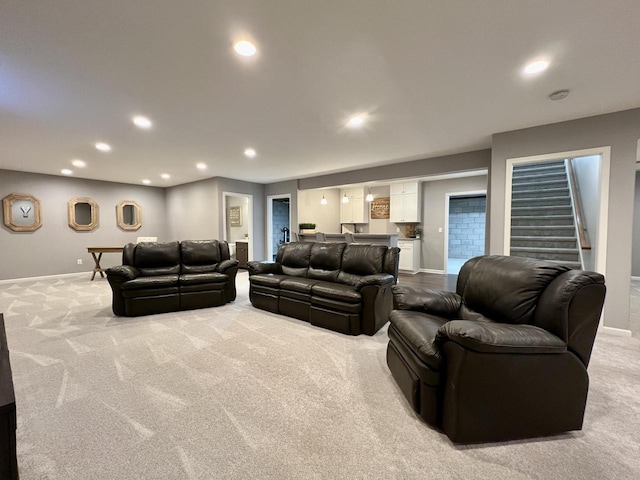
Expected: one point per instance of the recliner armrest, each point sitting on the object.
(122, 273)
(225, 265)
(485, 337)
(256, 267)
(377, 279)
(435, 302)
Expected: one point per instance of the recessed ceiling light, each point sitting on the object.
(78, 163)
(66, 171)
(535, 67)
(250, 152)
(166, 176)
(357, 121)
(245, 48)
(103, 147)
(201, 166)
(142, 122)
(146, 181)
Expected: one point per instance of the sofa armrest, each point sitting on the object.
(255, 267)
(122, 273)
(485, 337)
(225, 265)
(435, 302)
(377, 279)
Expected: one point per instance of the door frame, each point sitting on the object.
(446, 220)
(270, 199)
(249, 219)
(603, 188)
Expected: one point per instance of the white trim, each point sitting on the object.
(634, 278)
(249, 219)
(618, 332)
(46, 277)
(270, 199)
(446, 219)
(431, 270)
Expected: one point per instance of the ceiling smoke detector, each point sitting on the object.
(559, 95)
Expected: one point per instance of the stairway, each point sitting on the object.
(542, 222)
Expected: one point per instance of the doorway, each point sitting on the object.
(465, 217)
(278, 223)
(238, 223)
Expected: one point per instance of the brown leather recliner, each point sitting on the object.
(503, 358)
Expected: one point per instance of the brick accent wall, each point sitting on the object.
(280, 212)
(467, 217)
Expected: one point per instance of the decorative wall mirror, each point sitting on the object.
(129, 215)
(83, 214)
(21, 212)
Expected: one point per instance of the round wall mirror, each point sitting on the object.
(83, 214)
(129, 215)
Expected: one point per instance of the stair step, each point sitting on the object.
(573, 265)
(541, 221)
(539, 167)
(542, 210)
(532, 186)
(540, 193)
(540, 177)
(541, 201)
(544, 242)
(568, 254)
(543, 230)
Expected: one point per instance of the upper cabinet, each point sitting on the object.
(405, 203)
(355, 210)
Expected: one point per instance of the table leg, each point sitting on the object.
(97, 268)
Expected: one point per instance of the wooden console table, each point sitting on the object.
(96, 259)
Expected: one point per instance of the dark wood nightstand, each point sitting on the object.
(242, 254)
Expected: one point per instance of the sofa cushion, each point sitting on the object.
(325, 261)
(199, 256)
(359, 260)
(152, 258)
(154, 281)
(418, 331)
(200, 278)
(298, 284)
(295, 258)
(336, 291)
(267, 279)
(507, 289)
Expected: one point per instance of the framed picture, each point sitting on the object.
(21, 212)
(380, 208)
(235, 216)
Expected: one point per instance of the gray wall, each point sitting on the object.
(635, 271)
(620, 131)
(434, 198)
(194, 210)
(55, 247)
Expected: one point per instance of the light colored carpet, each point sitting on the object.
(237, 393)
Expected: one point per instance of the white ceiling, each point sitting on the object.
(436, 77)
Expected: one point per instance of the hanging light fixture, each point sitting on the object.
(345, 199)
(369, 197)
(323, 201)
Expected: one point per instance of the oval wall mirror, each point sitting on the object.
(83, 214)
(129, 215)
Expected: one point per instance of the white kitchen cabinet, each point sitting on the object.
(405, 203)
(354, 211)
(409, 256)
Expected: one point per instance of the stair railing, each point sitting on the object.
(585, 244)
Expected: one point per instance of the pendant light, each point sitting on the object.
(369, 197)
(323, 201)
(345, 199)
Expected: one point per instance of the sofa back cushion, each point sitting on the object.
(506, 289)
(359, 260)
(294, 258)
(152, 258)
(325, 261)
(200, 256)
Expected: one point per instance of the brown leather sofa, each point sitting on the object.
(166, 277)
(345, 288)
(506, 356)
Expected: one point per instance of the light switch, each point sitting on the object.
(440, 230)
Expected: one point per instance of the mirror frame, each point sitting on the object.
(120, 215)
(71, 210)
(8, 207)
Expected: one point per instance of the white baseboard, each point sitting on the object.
(634, 278)
(44, 277)
(618, 332)
(431, 270)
